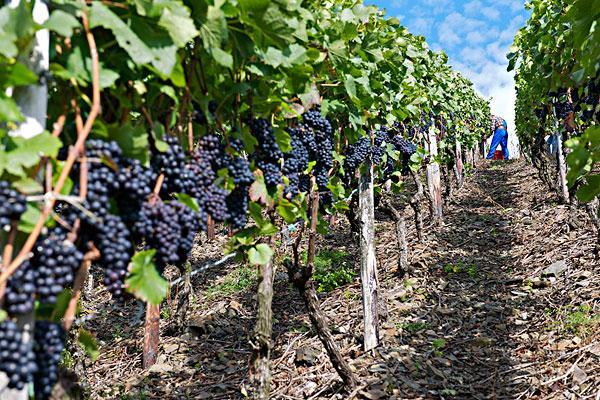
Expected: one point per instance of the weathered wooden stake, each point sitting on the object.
(151, 335)
(210, 228)
(433, 177)
(368, 267)
(261, 340)
(562, 170)
(459, 166)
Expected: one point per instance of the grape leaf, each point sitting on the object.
(144, 281)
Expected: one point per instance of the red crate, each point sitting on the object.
(498, 155)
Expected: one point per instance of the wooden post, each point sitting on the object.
(261, 341)
(562, 170)
(151, 335)
(368, 268)
(210, 228)
(433, 176)
(459, 166)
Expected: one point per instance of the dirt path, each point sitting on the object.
(478, 318)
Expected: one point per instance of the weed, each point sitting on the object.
(349, 295)
(165, 313)
(67, 360)
(413, 327)
(236, 281)
(581, 320)
(460, 267)
(438, 345)
(333, 268)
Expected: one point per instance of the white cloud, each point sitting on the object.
(456, 25)
(473, 6)
(422, 25)
(491, 13)
(473, 55)
(475, 37)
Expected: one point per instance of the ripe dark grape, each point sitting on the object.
(114, 242)
(268, 149)
(55, 261)
(169, 228)
(190, 224)
(237, 206)
(102, 178)
(215, 203)
(268, 152)
(212, 151)
(159, 226)
(356, 154)
(239, 169)
(136, 181)
(202, 175)
(17, 360)
(20, 290)
(49, 342)
(321, 146)
(12, 204)
(172, 164)
(272, 173)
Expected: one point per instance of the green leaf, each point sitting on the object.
(288, 211)
(9, 111)
(188, 200)
(88, 343)
(100, 15)
(222, 57)
(18, 75)
(144, 281)
(62, 23)
(590, 190)
(260, 254)
(28, 186)
(29, 218)
(132, 139)
(254, 5)
(283, 139)
(180, 26)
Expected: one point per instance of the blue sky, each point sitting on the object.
(476, 35)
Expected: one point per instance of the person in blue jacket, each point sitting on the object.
(500, 138)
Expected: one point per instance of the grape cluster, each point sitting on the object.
(190, 224)
(268, 153)
(169, 228)
(55, 261)
(296, 161)
(323, 153)
(171, 163)
(356, 154)
(20, 290)
(562, 106)
(102, 180)
(136, 185)
(113, 240)
(158, 225)
(379, 140)
(17, 360)
(237, 204)
(12, 204)
(49, 342)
